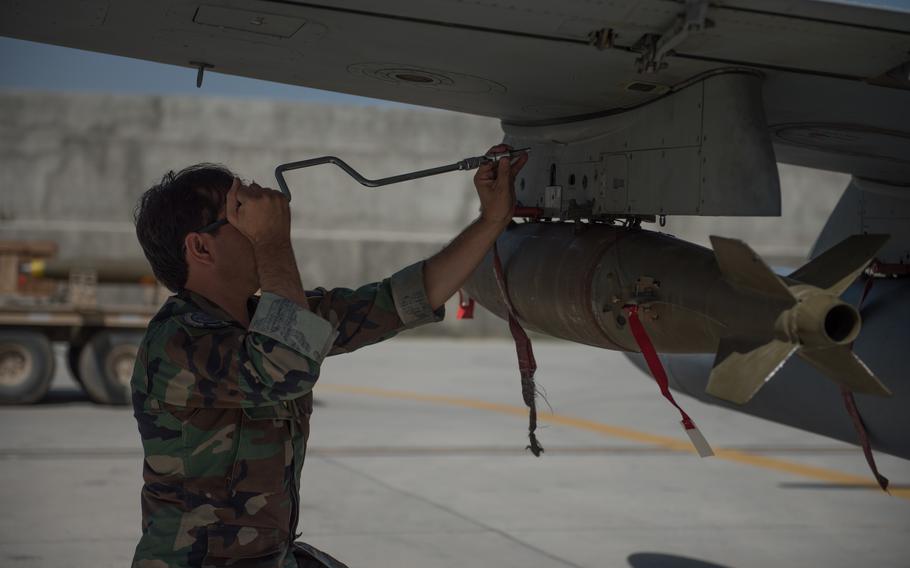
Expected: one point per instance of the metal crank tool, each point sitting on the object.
(466, 164)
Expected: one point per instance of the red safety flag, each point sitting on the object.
(657, 370)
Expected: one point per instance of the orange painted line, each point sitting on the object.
(666, 442)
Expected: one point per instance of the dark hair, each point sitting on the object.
(182, 203)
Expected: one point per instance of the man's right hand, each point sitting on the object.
(261, 214)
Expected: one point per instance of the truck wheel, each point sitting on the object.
(26, 366)
(106, 365)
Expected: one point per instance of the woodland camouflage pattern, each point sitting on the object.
(223, 413)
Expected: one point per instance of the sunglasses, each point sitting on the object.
(212, 227)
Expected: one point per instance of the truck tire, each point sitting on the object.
(26, 366)
(106, 365)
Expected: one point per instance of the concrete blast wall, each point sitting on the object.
(73, 165)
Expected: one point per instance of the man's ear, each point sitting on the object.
(198, 249)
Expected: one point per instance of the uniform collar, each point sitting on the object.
(213, 309)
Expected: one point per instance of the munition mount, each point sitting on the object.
(700, 150)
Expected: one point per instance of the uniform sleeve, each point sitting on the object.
(377, 311)
(215, 364)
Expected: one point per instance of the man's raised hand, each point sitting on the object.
(495, 185)
(261, 214)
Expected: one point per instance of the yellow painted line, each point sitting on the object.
(666, 442)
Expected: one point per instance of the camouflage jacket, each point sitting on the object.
(223, 413)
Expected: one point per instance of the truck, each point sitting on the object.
(98, 309)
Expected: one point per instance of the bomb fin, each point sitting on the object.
(744, 269)
(836, 268)
(841, 365)
(742, 366)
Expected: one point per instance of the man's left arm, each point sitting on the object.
(448, 270)
(377, 311)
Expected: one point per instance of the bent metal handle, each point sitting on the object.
(466, 164)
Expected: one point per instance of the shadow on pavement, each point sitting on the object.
(660, 560)
(64, 396)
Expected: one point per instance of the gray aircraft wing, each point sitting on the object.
(518, 61)
(539, 61)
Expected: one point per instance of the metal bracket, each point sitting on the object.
(693, 20)
(201, 67)
(646, 289)
(602, 39)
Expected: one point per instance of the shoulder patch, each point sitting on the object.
(203, 320)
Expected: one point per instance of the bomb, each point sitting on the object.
(574, 281)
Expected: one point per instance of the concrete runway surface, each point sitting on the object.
(417, 459)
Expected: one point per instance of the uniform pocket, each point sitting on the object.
(264, 450)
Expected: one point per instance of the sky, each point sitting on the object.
(36, 66)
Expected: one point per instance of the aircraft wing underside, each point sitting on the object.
(836, 73)
(517, 61)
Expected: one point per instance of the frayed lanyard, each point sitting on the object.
(527, 365)
(850, 402)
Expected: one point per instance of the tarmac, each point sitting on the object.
(417, 459)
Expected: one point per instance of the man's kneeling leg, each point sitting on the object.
(310, 557)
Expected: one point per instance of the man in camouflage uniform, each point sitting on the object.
(222, 388)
